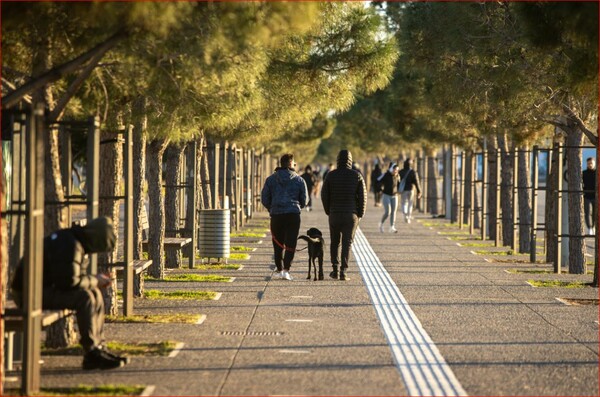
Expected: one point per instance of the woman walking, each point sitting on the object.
(376, 185)
(409, 183)
(390, 181)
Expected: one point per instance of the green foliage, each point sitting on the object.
(218, 266)
(120, 348)
(85, 390)
(211, 278)
(155, 318)
(556, 283)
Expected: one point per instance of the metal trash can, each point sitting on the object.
(213, 236)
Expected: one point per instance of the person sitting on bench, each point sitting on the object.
(67, 285)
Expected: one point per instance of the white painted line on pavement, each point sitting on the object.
(148, 391)
(201, 319)
(422, 367)
(218, 296)
(177, 349)
(299, 320)
(289, 351)
(302, 296)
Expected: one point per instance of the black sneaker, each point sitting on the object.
(343, 277)
(123, 359)
(334, 274)
(98, 359)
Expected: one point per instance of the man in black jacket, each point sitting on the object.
(409, 182)
(67, 285)
(589, 195)
(344, 197)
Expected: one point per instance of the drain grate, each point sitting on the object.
(251, 333)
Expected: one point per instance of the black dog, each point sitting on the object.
(315, 250)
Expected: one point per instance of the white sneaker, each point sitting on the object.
(286, 275)
(277, 274)
(408, 220)
(393, 229)
(381, 227)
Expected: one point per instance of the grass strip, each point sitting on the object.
(476, 244)
(487, 252)
(500, 260)
(155, 319)
(239, 256)
(454, 233)
(556, 283)
(247, 234)
(127, 349)
(198, 278)
(84, 390)
(218, 266)
(241, 248)
(529, 271)
(180, 295)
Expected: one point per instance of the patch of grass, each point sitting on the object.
(556, 283)
(529, 271)
(127, 349)
(198, 278)
(155, 318)
(440, 224)
(183, 295)
(247, 234)
(241, 248)
(476, 244)
(239, 256)
(499, 260)
(487, 252)
(454, 233)
(218, 266)
(84, 390)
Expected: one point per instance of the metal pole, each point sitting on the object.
(128, 227)
(448, 182)
(534, 197)
(225, 199)
(424, 184)
(559, 187)
(93, 180)
(66, 163)
(498, 193)
(215, 192)
(34, 252)
(193, 186)
(472, 165)
(484, 191)
(515, 207)
(461, 199)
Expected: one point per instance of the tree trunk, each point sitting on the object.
(139, 172)
(156, 211)
(550, 211)
(432, 184)
(192, 208)
(506, 190)
(525, 210)
(205, 172)
(111, 172)
(577, 250)
(173, 159)
(493, 182)
(62, 332)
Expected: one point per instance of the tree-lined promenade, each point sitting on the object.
(203, 92)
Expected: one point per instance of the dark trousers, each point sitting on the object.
(284, 230)
(589, 208)
(342, 227)
(89, 308)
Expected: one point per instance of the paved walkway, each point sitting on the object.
(484, 331)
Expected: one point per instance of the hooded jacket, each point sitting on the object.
(344, 189)
(412, 178)
(65, 261)
(284, 192)
(389, 181)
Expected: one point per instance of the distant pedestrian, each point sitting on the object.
(376, 184)
(389, 180)
(344, 198)
(589, 195)
(409, 183)
(328, 170)
(311, 181)
(284, 195)
(318, 180)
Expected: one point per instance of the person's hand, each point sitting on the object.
(419, 195)
(103, 280)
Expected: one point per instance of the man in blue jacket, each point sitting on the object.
(284, 195)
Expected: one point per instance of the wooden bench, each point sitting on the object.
(13, 322)
(170, 243)
(139, 268)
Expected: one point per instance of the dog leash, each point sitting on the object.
(283, 245)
